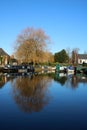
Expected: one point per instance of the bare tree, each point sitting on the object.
(31, 44)
(69, 52)
(75, 55)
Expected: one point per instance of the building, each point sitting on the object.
(13, 61)
(82, 58)
(4, 57)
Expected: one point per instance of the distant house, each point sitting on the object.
(82, 58)
(4, 57)
(13, 61)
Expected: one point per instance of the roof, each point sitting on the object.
(82, 56)
(2, 52)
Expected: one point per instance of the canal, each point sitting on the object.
(45, 101)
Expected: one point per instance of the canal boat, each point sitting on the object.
(70, 69)
(18, 69)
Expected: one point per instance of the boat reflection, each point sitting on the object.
(60, 78)
(70, 80)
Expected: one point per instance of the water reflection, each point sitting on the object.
(71, 80)
(31, 94)
(4, 78)
(50, 95)
(76, 79)
(61, 78)
(2, 81)
(68, 80)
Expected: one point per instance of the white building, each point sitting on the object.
(82, 58)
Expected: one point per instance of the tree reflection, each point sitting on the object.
(31, 94)
(60, 79)
(74, 81)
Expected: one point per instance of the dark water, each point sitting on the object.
(51, 101)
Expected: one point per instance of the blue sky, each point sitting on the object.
(65, 21)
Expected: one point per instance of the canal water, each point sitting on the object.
(46, 101)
